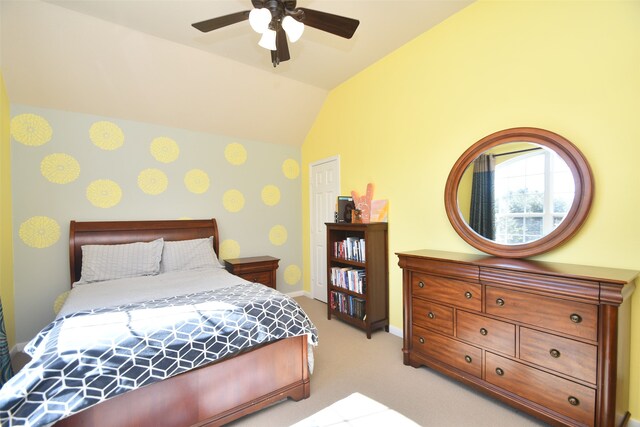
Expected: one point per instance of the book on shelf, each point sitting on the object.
(347, 304)
(353, 279)
(351, 248)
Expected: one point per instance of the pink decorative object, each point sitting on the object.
(379, 210)
(363, 203)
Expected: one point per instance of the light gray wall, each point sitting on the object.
(41, 244)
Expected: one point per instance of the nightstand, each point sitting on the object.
(260, 269)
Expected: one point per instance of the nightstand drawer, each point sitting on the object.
(448, 291)
(434, 316)
(263, 277)
(566, 397)
(570, 317)
(487, 333)
(452, 352)
(261, 269)
(570, 357)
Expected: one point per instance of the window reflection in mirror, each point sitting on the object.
(520, 193)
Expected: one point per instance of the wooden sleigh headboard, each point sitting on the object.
(120, 232)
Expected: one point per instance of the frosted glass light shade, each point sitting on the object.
(268, 40)
(259, 20)
(293, 28)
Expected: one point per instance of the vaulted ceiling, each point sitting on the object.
(142, 60)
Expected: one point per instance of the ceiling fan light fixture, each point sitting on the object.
(268, 40)
(293, 28)
(259, 20)
(279, 20)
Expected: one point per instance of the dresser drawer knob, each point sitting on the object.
(421, 340)
(499, 371)
(483, 331)
(500, 302)
(421, 284)
(431, 315)
(554, 353)
(574, 401)
(468, 359)
(468, 295)
(575, 318)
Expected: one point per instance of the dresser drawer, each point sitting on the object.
(465, 357)
(433, 316)
(448, 291)
(565, 397)
(570, 357)
(487, 333)
(570, 317)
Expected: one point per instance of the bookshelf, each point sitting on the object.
(358, 275)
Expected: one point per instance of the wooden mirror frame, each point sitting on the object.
(582, 176)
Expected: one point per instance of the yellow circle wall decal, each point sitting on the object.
(164, 149)
(292, 274)
(235, 153)
(229, 249)
(59, 301)
(31, 129)
(39, 232)
(196, 181)
(278, 235)
(270, 195)
(60, 168)
(233, 200)
(104, 193)
(290, 169)
(106, 135)
(152, 181)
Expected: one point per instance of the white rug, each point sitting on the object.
(356, 410)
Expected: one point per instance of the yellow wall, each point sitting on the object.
(6, 246)
(570, 67)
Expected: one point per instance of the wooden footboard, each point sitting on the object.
(212, 395)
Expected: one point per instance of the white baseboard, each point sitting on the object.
(396, 331)
(300, 294)
(633, 423)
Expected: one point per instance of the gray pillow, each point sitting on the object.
(110, 262)
(192, 254)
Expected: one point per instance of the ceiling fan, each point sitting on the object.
(277, 19)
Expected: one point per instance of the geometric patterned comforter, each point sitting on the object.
(89, 356)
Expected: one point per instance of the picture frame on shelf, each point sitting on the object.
(345, 209)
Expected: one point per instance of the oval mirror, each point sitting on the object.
(519, 192)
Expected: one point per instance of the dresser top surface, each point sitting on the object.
(602, 274)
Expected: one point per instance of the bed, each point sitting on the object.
(255, 376)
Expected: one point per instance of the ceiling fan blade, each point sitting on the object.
(221, 21)
(282, 48)
(334, 24)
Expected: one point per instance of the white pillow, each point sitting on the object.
(110, 262)
(184, 255)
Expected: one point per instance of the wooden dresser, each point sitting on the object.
(549, 339)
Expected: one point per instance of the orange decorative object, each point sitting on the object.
(363, 203)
